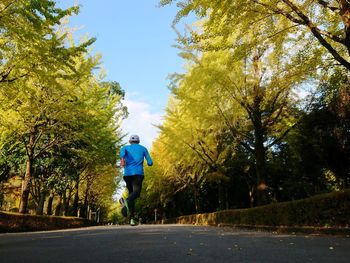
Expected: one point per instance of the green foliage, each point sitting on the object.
(58, 120)
(327, 210)
(316, 28)
(11, 160)
(236, 130)
(29, 42)
(220, 105)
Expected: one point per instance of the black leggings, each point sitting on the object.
(134, 185)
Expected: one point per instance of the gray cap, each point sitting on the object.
(134, 138)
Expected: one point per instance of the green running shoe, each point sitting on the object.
(133, 222)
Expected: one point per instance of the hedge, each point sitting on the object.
(330, 210)
(15, 222)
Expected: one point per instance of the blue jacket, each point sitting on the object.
(134, 155)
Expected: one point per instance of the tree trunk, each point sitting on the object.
(40, 207)
(251, 196)
(64, 195)
(28, 175)
(227, 205)
(26, 186)
(76, 199)
(66, 203)
(196, 198)
(35, 190)
(85, 208)
(221, 193)
(58, 207)
(260, 157)
(49, 204)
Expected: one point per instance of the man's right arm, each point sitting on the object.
(122, 156)
(148, 158)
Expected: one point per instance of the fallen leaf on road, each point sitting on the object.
(189, 253)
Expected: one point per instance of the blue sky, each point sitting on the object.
(135, 39)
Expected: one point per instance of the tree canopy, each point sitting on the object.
(60, 123)
(247, 122)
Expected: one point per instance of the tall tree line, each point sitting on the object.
(59, 123)
(261, 114)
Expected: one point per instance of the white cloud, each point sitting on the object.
(141, 121)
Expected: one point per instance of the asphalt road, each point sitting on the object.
(170, 243)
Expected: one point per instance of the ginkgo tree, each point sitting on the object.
(51, 102)
(29, 42)
(53, 113)
(194, 131)
(254, 59)
(319, 29)
(237, 102)
(256, 109)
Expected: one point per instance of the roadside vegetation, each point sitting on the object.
(260, 116)
(59, 120)
(262, 113)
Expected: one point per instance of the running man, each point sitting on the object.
(132, 157)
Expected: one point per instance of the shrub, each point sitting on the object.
(15, 222)
(326, 210)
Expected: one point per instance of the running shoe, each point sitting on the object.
(133, 222)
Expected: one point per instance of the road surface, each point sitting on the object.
(170, 243)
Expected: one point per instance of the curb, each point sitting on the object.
(341, 231)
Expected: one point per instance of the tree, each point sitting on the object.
(55, 115)
(246, 61)
(52, 114)
(29, 41)
(251, 99)
(323, 23)
(320, 142)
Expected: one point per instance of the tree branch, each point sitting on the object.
(235, 131)
(317, 33)
(200, 143)
(283, 135)
(200, 155)
(47, 146)
(6, 7)
(279, 11)
(327, 5)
